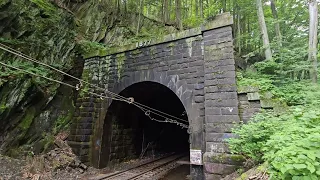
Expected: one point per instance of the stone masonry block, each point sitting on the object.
(222, 119)
(213, 111)
(221, 96)
(209, 176)
(199, 99)
(221, 88)
(253, 96)
(222, 103)
(255, 104)
(218, 40)
(231, 159)
(221, 169)
(220, 75)
(217, 147)
(214, 32)
(218, 127)
(231, 80)
(198, 92)
(218, 137)
(230, 110)
(217, 69)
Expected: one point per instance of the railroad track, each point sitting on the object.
(152, 170)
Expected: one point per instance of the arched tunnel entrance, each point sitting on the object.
(129, 132)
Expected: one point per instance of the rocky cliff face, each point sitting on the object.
(59, 33)
(33, 109)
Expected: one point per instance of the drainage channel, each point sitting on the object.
(152, 170)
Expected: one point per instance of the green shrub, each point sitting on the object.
(290, 143)
(253, 136)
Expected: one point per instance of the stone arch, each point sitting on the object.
(179, 87)
(172, 82)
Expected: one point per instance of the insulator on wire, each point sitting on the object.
(147, 113)
(130, 100)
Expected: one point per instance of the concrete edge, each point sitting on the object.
(220, 20)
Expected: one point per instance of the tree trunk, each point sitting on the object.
(166, 11)
(170, 10)
(125, 7)
(201, 8)
(140, 12)
(239, 32)
(178, 14)
(197, 8)
(313, 38)
(264, 32)
(277, 26)
(224, 5)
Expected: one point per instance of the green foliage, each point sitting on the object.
(292, 153)
(8, 73)
(87, 48)
(62, 123)
(254, 79)
(46, 7)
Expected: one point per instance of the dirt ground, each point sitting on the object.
(57, 164)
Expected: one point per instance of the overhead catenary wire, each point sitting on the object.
(147, 112)
(166, 119)
(20, 54)
(50, 79)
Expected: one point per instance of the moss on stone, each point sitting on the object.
(48, 8)
(85, 87)
(120, 59)
(90, 49)
(170, 45)
(135, 52)
(27, 119)
(226, 158)
(63, 121)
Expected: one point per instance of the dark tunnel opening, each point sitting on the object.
(130, 133)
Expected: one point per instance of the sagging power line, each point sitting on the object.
(26, 57)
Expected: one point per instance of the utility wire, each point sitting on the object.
(60, 82)
(166, 119)
(147, 112)
(50, 79)
(20, 54)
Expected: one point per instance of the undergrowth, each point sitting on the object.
(290, 141)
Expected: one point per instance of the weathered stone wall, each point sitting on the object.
(122, 144)
(221, 101)
(249, 105)
(176, 64)
(197, 65)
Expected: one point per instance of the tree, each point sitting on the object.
(139, 19)
(313, 38)
(277, 25)
(166, 11)
(264, 32)
(224, 5)
(178, 14)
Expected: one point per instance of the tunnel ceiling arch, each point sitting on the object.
(129, 132)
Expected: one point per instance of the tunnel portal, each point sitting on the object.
(193, 71)
(130, 132)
